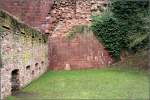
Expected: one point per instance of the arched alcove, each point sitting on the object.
(15, 83)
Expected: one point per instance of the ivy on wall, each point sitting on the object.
(134, 17)
(106, 29)
(124, 25)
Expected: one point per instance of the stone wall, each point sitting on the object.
(67, 13)
(21, 49)
(58, 17)
(32, 12)
(82, 51)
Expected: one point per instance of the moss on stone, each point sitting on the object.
(10, 21)
(78, 29)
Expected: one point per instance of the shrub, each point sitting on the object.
(134, 15)
(106, 29)
(125, 25)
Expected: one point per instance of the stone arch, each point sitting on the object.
(15, 83)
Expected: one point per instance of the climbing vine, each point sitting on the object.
(124, 25)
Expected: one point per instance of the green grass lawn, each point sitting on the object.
(108, 83)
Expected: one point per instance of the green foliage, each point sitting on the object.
(138, 39)
(125, 25)
(135, 16)
(78, 29)
(106, 29)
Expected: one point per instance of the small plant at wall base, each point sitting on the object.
(124, 26)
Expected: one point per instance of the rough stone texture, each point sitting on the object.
(57, 18)
(68, 13)
(18, 51)
(32, 12)
(83, 51)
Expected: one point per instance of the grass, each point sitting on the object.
(107, 83)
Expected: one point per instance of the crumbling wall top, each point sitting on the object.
(9, 22)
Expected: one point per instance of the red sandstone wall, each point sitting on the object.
(32, 12)
(80, 53)
(83, 51)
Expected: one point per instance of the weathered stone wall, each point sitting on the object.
(67, 13)
(58, 18)
(81, 52)
(32, 12)
(22, 50)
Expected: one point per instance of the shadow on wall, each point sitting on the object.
(15, 83)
